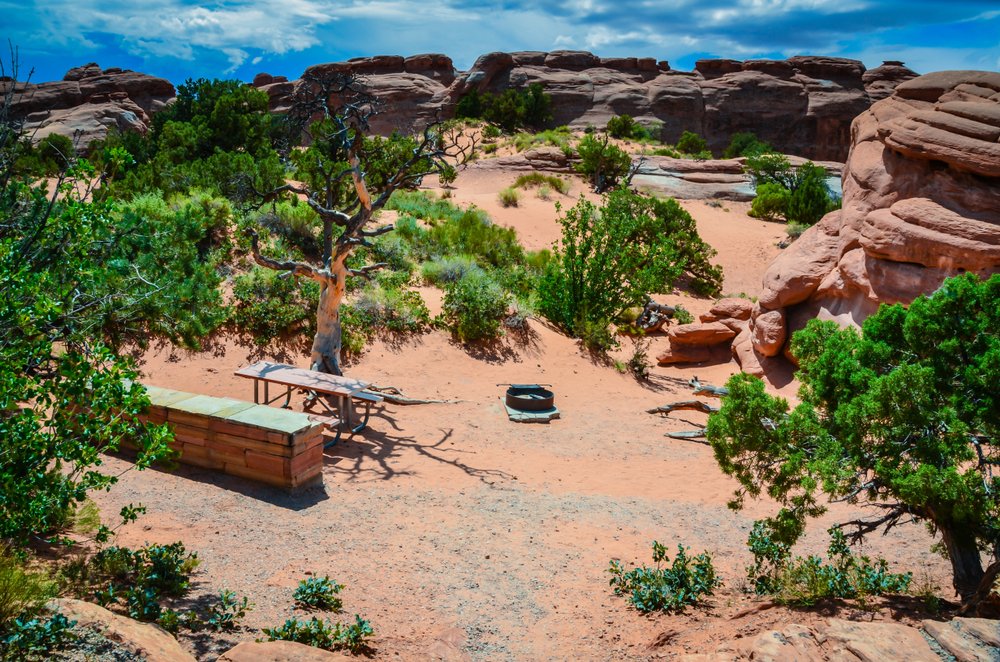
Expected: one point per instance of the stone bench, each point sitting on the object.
(274, 446)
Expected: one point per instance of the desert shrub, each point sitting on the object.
(474, 306)
(490, 148)
(638, 361)
(51, 156)
(621, 126)
(664, 151)
(560, 137)
(141, 578)
(682, 316)
(227, 612)
(770, 167)
(806, 581)
(472, 233)
(693, 144)
(611, 257)
(268, 306)
(22, 592)
(491, 132)
(543, 192)
(383, 306)
(539, 179)
(35, 638)
(771, 202)
(508, 197)
(669, 588)
(745, 143)
(810, 199)
(794, 230)
(605, 164)
(319, 593)
(293, 220)
(446, 270)
(322, 634)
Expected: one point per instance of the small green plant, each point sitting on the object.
(669, 586)
(35, 638)
(268, 306)
(508, 197)
(794, 229)
(682, 315)
(806, 581)
(538, 179)
(22, 592)
(227, 612)
(771, 203)
(319, 593)
(543, 192)
(638, 362)
(490, 148)
(446, 270)
(322, 634)
(141, 578)
(491, 132)
(745, 144)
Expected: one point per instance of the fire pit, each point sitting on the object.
(529, 397)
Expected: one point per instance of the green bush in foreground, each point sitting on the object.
(322, 634)
(35, 638)
(669, 586)
(904, 415)
(319, 593)
(806, 581)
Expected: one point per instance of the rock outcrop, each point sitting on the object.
(280, 651)
(803, 105)
(144, 640)
(921, 203)
(88, 101)
(709, 339)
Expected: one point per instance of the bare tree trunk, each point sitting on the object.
(966, 563)
(327, 343)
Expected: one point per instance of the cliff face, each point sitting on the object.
(921, 203)
(803, 105)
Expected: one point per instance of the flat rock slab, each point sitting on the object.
(542, 416)
(280, 651)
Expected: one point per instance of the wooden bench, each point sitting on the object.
(344, 389)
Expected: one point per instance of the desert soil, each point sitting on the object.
(462, 535)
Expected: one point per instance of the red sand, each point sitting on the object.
(462, 535)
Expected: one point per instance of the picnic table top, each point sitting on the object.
(289, 375)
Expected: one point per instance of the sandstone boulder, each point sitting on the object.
(704, 334)
(729, 308)
(280, 651)
(147, 641)
(921, 198)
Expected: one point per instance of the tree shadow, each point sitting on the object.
(511, 347)
(370, 454)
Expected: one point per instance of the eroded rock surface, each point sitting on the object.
(89, 101)
(921, 203)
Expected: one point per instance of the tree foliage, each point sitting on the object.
(902, 418)
(77, 279)
(612, 256)
(510, 110)
(798, 195)
(605, 164)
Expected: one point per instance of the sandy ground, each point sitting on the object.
(462, 535)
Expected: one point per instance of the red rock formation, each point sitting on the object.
(921, 203)
(89, 101)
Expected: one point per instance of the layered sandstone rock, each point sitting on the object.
(921, 203)
(709, 339)
(89, 101)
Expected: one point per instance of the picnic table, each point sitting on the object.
(344, 389)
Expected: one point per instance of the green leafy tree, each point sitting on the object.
(771, 202)
(693, 144)
(510, 110)
(621, 126)
(611, 257)
(605, 164)
(76, 279)
(902, 418)
(810, 198)
(744, 143)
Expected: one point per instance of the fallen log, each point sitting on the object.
(697, 436)
(708, 389)
(696, 405)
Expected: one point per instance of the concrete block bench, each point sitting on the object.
(274, 446)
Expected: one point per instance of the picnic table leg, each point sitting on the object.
(256, 391)
(347, 407)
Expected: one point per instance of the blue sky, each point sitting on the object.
(177, 39)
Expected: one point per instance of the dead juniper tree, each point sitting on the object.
(353, 177)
